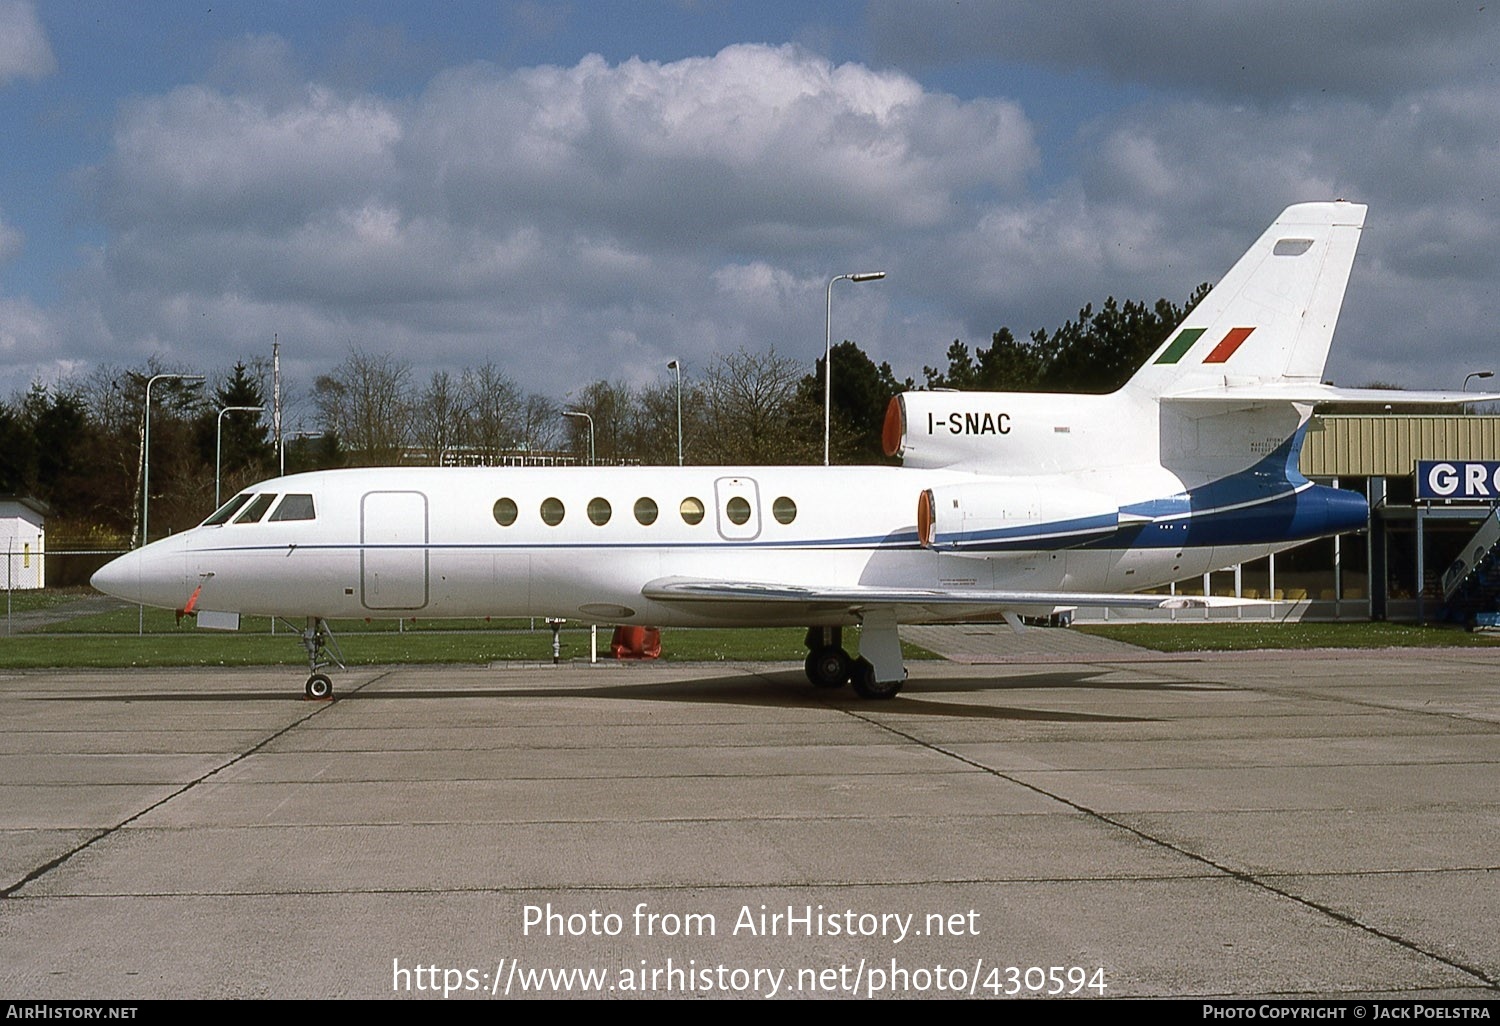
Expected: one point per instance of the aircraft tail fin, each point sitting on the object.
(1270, 320)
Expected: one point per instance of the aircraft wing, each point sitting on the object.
(865, 597)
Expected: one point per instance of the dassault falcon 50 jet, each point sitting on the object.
(1006, 504)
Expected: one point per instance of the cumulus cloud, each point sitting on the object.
(599, 218)
(593, 201)
(645, 147)
(24, 50)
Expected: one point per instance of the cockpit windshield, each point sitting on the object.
(229, 509)
(249, 508)
(256, 509)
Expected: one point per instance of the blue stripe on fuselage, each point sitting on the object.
(1269, 502)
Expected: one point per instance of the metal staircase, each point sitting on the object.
(1471, 586)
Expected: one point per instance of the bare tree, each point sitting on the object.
(492, 406)
(439, 419)
(653, 424)
(541, 426)
(365, 403)
(611, 407)
(752, 412)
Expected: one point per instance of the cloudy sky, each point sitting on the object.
(579, 190)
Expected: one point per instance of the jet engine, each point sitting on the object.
(1001, 514)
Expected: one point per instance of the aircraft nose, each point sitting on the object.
(151, 576)
(119, 577)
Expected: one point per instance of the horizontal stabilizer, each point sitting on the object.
(1309, 392)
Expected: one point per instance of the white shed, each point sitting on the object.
(23, 534)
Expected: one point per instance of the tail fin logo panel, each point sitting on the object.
(1225, 349)
(1180, 345)
(1220, 353)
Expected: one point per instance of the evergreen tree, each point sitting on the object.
(1098, 352)
(245, 450)
(861, 392)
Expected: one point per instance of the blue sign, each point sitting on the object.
(1462, 480)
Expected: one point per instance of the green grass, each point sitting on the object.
(1231, 637)
(113, 639)
(228, 649)
(161, 621)
(31, 600)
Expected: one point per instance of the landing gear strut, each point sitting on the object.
(878, 673)
(318, 640)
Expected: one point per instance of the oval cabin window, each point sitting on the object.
(552, 512)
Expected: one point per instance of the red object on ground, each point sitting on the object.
(636, 643)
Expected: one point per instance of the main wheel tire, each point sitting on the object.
(319, 687)
(828, 667)
(866, 686)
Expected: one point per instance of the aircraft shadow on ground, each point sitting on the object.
(787, 689)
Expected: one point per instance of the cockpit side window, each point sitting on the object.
(294, 507)
(256, 509)
(229, 509)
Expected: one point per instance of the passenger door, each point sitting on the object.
(393, 550)
(737, 502)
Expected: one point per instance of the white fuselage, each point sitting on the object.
(466, 542)
(1018, 501)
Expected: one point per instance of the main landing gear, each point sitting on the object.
(829, 666)
(322, 651)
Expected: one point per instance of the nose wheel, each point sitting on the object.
(322, 651)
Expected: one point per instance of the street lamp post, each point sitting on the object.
(585, 416)
(828, 351)
(219, 441)
(1481, 375)
(146, 451)
(676, 368)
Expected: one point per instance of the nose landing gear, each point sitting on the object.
(322, 651)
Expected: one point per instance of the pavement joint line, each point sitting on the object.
(1482, 726)
(1249, 879)
(8, 893)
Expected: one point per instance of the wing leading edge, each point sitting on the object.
(862, 598)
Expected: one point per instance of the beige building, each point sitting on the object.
(1397, 567)
(23, 533)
